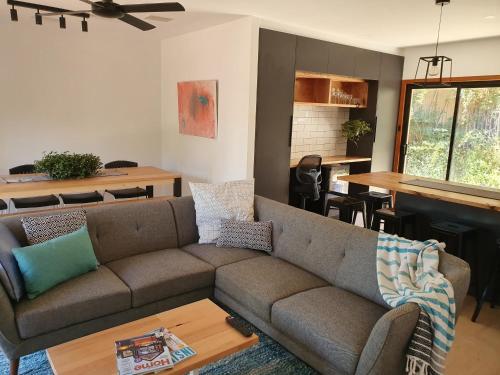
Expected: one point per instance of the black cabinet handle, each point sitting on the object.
(290, 133)
(375, 129)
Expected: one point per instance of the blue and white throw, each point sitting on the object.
(407, 271)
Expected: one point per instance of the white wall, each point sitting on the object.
(470, 58)
(83, 92)
(227, 53)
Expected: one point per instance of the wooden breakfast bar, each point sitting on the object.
(433, 205)
(120, 178)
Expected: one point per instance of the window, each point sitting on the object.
(453, 133)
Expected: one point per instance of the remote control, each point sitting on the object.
(239, 326)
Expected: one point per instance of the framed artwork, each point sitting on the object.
(198, 108)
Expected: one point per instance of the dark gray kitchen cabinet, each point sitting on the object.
(311, 55)
(341, 59)
(275, 90)
(367, 64)
(391, 72)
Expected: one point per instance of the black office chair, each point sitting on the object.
(31, 202)
(136, 192)
(308, 173)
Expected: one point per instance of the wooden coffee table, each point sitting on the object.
(200, 324)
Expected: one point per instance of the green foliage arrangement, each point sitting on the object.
(354, 129)
(63, 165)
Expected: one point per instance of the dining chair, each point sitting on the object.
(3, 206)
(82, 198)
(31, 202)
(308, 175)
(136, 192)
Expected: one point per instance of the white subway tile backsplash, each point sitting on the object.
(317, 130)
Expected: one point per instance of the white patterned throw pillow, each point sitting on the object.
(215, 202)
(44, 228)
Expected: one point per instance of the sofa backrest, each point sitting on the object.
(120, 230)
(185, 219)
(340, 253)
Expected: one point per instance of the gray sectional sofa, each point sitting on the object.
(316, 293)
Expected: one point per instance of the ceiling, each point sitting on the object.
(381, 24)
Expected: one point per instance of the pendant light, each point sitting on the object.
(436, 65)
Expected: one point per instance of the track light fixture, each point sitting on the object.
(38, 18)
(85, 26)
(13, 14)
(62, 22)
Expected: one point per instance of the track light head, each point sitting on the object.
(38, 18)
(13, 14)
(62, 22)
(85, 26)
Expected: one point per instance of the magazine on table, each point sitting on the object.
(143, 354)
(179, 350)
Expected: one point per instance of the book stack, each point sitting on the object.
(153, 352)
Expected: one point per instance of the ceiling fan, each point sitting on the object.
(102, 8)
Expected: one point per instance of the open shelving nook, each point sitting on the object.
(316, 89)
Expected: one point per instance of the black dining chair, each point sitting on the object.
(82, 198)
(3, 206)
(136, 192)
(31, 202)
(308, 174)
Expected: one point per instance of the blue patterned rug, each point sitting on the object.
(266, 358)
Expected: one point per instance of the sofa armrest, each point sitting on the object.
(9, 336)
(385, 350)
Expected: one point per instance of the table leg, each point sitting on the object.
(178, 187)
(150, 191)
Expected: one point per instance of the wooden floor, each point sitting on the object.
(476, 350)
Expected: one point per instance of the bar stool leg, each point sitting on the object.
(489, 286)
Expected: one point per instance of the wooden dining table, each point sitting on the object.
(119, 178)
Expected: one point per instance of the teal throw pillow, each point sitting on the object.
(50, 263)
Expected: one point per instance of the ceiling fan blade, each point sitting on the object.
(136, 22)
(88, 2)
(76, 12)
(150, 8)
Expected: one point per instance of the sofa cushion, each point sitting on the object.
(333, 323)
(258, 283)
(45, 228)
(122, 230)
(161, 274)
(255, 235)
(86, 297)
(220, 256)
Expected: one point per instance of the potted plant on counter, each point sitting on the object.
(63, 165)
(354, 129)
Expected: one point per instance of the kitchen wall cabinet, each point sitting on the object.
(367, 64)
(312, 55)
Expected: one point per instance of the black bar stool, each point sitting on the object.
(348, 207)
(374, 201)
(395, 221)
(454, 235)
(490, 287)
(82, 198)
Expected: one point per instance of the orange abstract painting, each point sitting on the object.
(198, 108)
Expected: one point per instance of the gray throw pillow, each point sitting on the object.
(44, 228)
(249, 235)
(10, 274)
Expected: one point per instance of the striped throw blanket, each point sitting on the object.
(407, 271)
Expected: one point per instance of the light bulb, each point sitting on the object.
(434, 68)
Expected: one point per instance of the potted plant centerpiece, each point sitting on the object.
(354, 129)
(64, 165)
